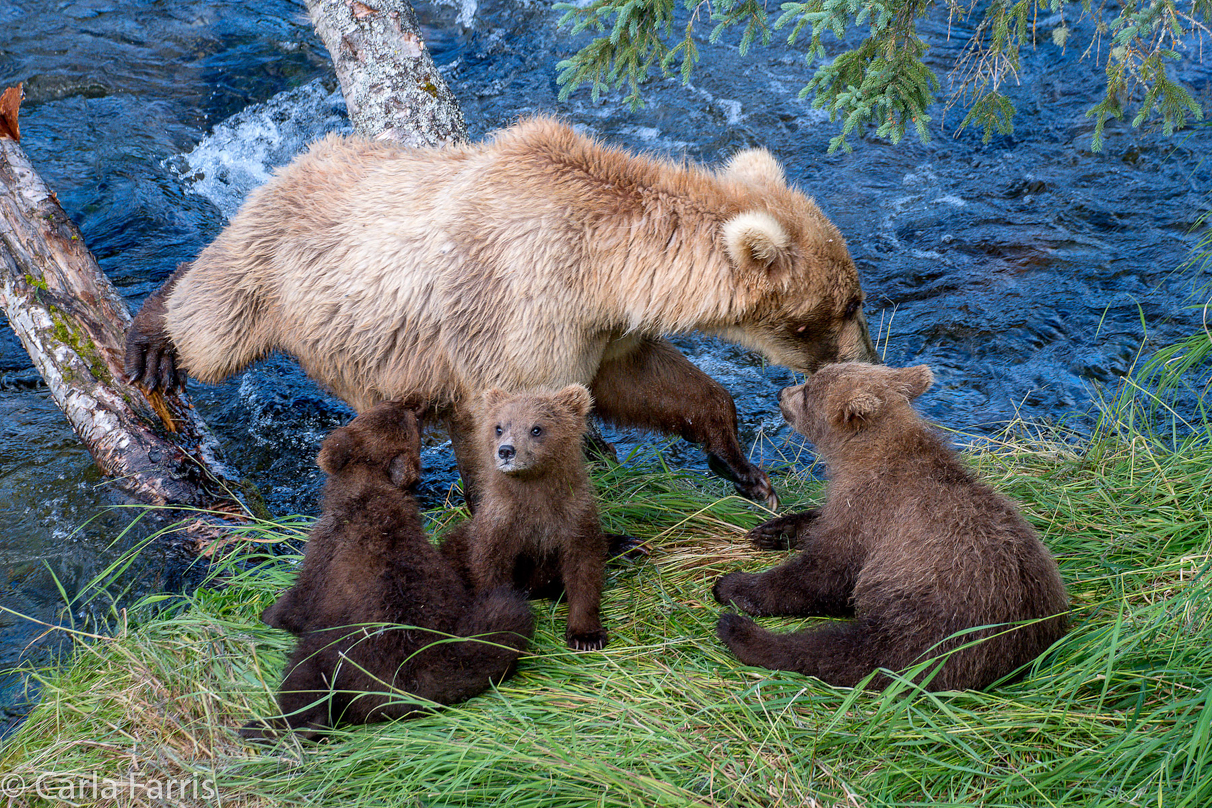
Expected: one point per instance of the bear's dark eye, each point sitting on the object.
(536, 431)
(498, 430)
(852, 308)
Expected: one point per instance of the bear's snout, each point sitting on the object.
(785, 401)
(506, 452)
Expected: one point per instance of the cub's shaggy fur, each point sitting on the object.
(907, 541)
(539, 258)
(375, 603)
(537, 525)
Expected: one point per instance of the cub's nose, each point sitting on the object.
(506, 452)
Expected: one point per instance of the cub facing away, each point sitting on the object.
(908, 542)
(537, 526)
(375, 603)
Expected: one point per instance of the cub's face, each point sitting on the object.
(524, 432)
(843, 400)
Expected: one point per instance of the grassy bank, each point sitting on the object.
(1118, 713)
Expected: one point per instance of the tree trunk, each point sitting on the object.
(72, 321)
(391, 86)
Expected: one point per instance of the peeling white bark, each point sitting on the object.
(72, 322)
(392, 89)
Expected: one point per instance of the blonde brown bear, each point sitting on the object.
(538, 258)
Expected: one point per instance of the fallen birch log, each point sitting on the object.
(72, 322)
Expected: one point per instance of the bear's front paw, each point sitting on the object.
(750, 482)
(150, 356)
(628, 548)
(782, 533)
(587, 640)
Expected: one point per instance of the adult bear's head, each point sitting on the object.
(800, 303)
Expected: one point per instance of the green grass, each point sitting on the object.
(1118, 713)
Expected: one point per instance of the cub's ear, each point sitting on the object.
(758, 245)
(857, 411)
(576, 399)
(405, 469)
(419, 406)
(338, 449)
(914, 381)
(755, 167)
(493, 398)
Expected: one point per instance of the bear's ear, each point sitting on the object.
(419, 406)
(755, 167)
(758, 245)
(338, 449)
(405, 470)
(493, 398)
(857, 411)
(576, 399)
(914, 381)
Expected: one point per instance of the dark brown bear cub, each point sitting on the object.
(907, 542)
(536, 526)
(375, 604)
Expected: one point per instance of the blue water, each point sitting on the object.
(1026, 272)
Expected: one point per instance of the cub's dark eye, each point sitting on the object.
(536, 431)
(852, 308)
(499, 430)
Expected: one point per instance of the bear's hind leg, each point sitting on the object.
(811, 584)
(655, 387)
(841, 655)
(305, 699)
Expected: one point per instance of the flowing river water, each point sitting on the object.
(1028, 272)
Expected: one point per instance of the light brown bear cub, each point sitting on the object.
(907, 542)
(375, 603)
(537, 524)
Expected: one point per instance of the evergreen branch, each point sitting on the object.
(883, 82)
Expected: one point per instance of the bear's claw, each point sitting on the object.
(782, 533)
(588, 640)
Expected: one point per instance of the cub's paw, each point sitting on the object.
(734, 630)
(782, 533)
(587, 640)
(733, 590)
(628, 548)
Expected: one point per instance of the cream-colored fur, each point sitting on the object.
(517, 263)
